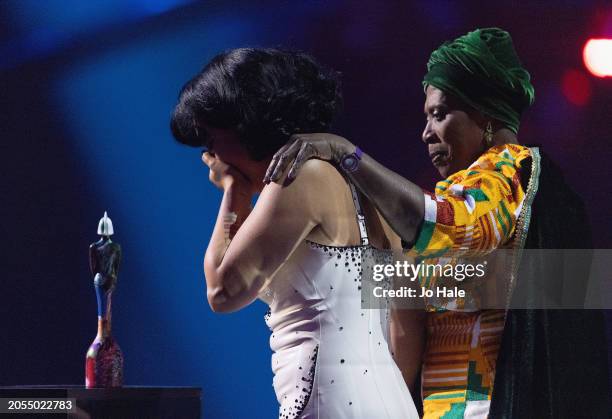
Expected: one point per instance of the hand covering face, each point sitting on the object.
(483, 70)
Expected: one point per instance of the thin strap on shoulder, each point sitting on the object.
(363, 232)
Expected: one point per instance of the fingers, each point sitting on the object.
(305, 153)
(284, 159)
(273, 163)
(208, 158)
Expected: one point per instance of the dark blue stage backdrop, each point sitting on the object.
(86, 90)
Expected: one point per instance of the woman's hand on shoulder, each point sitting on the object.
(301, 148)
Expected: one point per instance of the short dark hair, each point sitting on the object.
(265, 95)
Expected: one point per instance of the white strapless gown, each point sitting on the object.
(331, 357)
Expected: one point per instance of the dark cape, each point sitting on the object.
(552, 363)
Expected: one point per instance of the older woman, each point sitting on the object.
(495, 194)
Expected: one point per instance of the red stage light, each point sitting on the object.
(576, 87)
(597, 55)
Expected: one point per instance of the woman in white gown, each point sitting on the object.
(300, 248)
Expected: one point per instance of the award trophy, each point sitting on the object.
(104, 361)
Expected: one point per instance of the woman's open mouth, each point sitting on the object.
(439, 158)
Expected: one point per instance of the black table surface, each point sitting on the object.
(134, 402)
(79, 391)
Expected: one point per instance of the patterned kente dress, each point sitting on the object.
(472, 212)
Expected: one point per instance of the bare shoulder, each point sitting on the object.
(317, 193)
(323, 179)
(320, 169)
(305, 194)
(313, 174)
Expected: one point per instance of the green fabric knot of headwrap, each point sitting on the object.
(483, 70)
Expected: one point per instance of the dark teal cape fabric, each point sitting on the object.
(553, 363)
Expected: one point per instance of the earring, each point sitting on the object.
(488, 135)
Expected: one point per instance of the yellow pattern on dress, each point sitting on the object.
(471, 213)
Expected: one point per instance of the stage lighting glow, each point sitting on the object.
(576, 87)
(597, 55)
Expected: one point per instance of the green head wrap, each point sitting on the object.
(483, 70)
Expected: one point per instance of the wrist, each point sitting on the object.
(237, 188)
(342, 148)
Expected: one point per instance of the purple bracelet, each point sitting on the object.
(350, 162)
(358, 153)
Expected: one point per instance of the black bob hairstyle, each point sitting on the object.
(264, 95)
